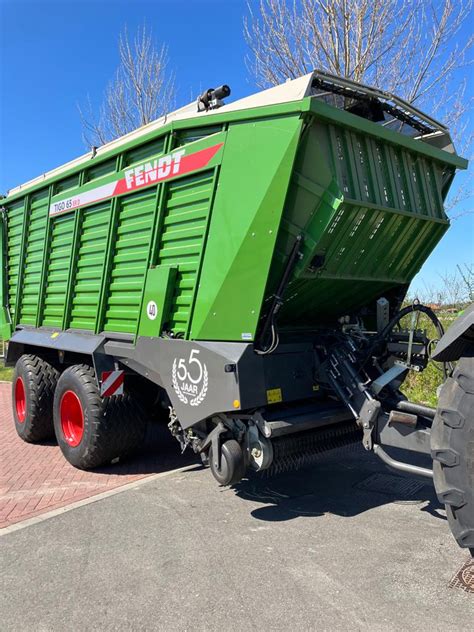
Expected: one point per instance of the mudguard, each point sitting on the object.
(458, 341)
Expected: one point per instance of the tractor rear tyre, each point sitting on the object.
(452, 449)
(91, 430)
(232, 466)
(34, 381)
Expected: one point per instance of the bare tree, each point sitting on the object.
(404, 46)
(413, 48)
(451, 290)
(466, 272)
(454, 288)
(141, 91)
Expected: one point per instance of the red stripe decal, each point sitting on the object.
(146, 174)
(199, 159)
(193, 162)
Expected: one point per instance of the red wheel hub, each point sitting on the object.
(20, 400)
(72, 418)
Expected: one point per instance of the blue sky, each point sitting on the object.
(54, 53)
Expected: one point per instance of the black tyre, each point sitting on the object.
(34, 381)
(91, 430)
(232, 466)
(452, 448)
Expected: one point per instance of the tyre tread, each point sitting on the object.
(41, 377)
(117, 423)
(451, 443)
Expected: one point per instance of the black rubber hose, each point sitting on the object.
(408, 310)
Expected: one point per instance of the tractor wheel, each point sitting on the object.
(232, 466)
(452, 449)
(33, 385)
(91, 430)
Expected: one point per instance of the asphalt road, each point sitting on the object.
(344, 545)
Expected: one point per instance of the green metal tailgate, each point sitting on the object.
(370, 209)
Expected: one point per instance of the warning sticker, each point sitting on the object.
(274, 396)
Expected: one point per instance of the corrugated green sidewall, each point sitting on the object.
(130, 259)
(89, 267)
(58, 271)
(181, 243)
(15, 222)
(86, 270)
(33, 266)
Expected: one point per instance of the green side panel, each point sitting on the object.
(143, 151)
(100, 170)
(185, 215)
(253, 182)
(157, 300)
(370, 214)
(130, 260)
(58, 271)
(186, 136)
(15, 217)
(67, 184)
(371, 170)
(369, 129)
(89, 266)
(36, 233)
(5, 324)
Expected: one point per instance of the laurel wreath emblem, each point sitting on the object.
(202, 394)
(199, 398)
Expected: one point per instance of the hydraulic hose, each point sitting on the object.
(408, 310)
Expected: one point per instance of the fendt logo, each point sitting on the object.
(150, 172)
(172, 165)
(190, 379)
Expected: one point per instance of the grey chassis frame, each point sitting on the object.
(238, 381)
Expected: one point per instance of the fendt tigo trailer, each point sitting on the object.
(242, 267)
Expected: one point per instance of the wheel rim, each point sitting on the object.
(72, 418)
(20, 400)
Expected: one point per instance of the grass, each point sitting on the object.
(422, 388)
(6, 373)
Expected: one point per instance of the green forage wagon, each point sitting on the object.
(242, 268)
